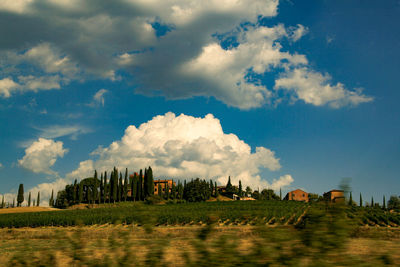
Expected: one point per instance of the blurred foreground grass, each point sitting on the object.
(324, 237)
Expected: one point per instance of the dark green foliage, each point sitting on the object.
(216, 190)
(125, 193)
(106, 188)
(240, 192)
(351, 199)
(280, 193)
(120, 188)
(166, 191)
(394, 203)
(372, 202)
(361, 201)
(101, 189)
(229, 188)
(134, 187)
(13, 204)
(248, 191)
(212, 188)
(38, 199)
(197, 190)
(20, 197)
(384, 203)
(80, 193)
(159, 189)
(29, 199)
(75, 193)
(51, 201)
(140, 186)
(150, 181)
(2, 203)
(173, 190)
(268, 194)
(114, 185)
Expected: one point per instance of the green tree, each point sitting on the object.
(372, 202)
(29, 199)
(114, 185)
(51, 201)
(248, 191)
(361, 201)
(229, 187)
(159, 189)
(2, 203)
(280, 193)
(126, 185)
(120, 188)
(140, 187)
(150, 181)
(216, 189)
(106, 188)
(351, 199)
(240, 189)
(167, 191)
(101, 189)
(212, 188)
(75, 193)
(13, 205)
(80, 193)
(20, 197)
(38, 199)
(134, 187)
(384, 203)
(394, 203)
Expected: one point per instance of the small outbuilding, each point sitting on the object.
(335, 196)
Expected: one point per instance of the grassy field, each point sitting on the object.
(26, 209)
(118, 245)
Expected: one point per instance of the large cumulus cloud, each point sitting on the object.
(176, 48)
(186, 147)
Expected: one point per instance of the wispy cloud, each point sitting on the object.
(55, 131)
(98, 98)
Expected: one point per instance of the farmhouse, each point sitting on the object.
(335, 196)
(163, 184)
(297, 195)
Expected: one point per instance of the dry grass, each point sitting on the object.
(26, 209)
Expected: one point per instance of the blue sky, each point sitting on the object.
(312, 84)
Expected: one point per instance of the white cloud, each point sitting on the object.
(28, 83)
(314, 88)
(41, 155)
(185, 147)
(7, 85)
(188, 60)
(56, 131)
(99, 97)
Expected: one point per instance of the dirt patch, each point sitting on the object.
(26, 209)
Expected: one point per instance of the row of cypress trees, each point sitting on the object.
(21, 198)
(107, 190)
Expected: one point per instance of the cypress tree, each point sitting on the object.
(145, 184)
(95, 185)
(280, 193)
(126, 185)
(33, 203)
(384, 203)
(106, 187)
(216, 189)
(51, 201)
(20, 197)
(140, 187)
(80, 193)
(173, 190)
(229, 185)
(120, 188)
(361, 204)
(212, 187)
(101, 189)
(13, 205)
(38, 199)
(351, 200)
(2, 203)
(240, 189)
(135, 183)
(160, 192)
(167, 191)
(75, 195)
(29, 199)
(372, 201)
(150, 180)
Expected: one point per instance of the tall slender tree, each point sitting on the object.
(126, 185)
(361, 201)
(51, 201)
(75, 195)
(2, 203)
(351, 200)
(29, 199)
(216, 189)
(101, 189)
(159, 189)
(114, 185)
(134, 187)
(13, 205)
(106, 188)
(80, 193)
(120, 188)
(38, 199)
(140, 187)
(372, 201)
(20, 197)
(167, 191)
(212, 187)
(240, 189)
(384, 203)
(145, 184)
(150, 181)
(280, 193)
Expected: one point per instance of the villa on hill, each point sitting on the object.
(297, 195)
(335, 196)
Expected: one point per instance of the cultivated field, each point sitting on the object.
(254, 233)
